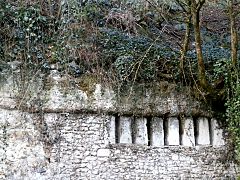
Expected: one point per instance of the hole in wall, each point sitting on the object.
(134, 129)
(149, 130)
(210, 131)
(165, 129)
(196, 133)
(117, 128)
(181, 128)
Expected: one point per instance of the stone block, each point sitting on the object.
(203, 134)
(173, 131)
(125, 130)
(188, 138)
(103, 153)
(157, 132)
(140, 134)
(112, 130)
(217, 134)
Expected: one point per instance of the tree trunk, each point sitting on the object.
(234, 36)
(195, 9)
(185, 43)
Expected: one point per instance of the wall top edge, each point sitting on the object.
(59, 94)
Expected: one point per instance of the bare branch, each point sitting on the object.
(159, 11)
(200, 4)
(182, 4)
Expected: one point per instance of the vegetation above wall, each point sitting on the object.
(186, 42)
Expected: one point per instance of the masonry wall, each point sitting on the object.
(77, 146)
(90, 137)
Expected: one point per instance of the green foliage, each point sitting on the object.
(224, 68)
(233, 119)
(124, 65)
(213, 49)
(24, 34)
(138, 54)
(92, 35)
(233, 106)
(111, 38)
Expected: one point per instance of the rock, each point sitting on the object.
(103, 153)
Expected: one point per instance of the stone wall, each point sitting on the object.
(69, 133)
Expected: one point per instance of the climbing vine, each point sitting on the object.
(233, 106)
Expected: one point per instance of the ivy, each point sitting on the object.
(233, 119)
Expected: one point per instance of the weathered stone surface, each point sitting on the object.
(22, 151)
(59, 132)
(217, 134)
(141, 135)
(65, 146)
(157, 133)
(203, 136)
(125, 130)
(112, 130)
(173, 131)
(103, 153)
(61, 96)
(188, 138)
